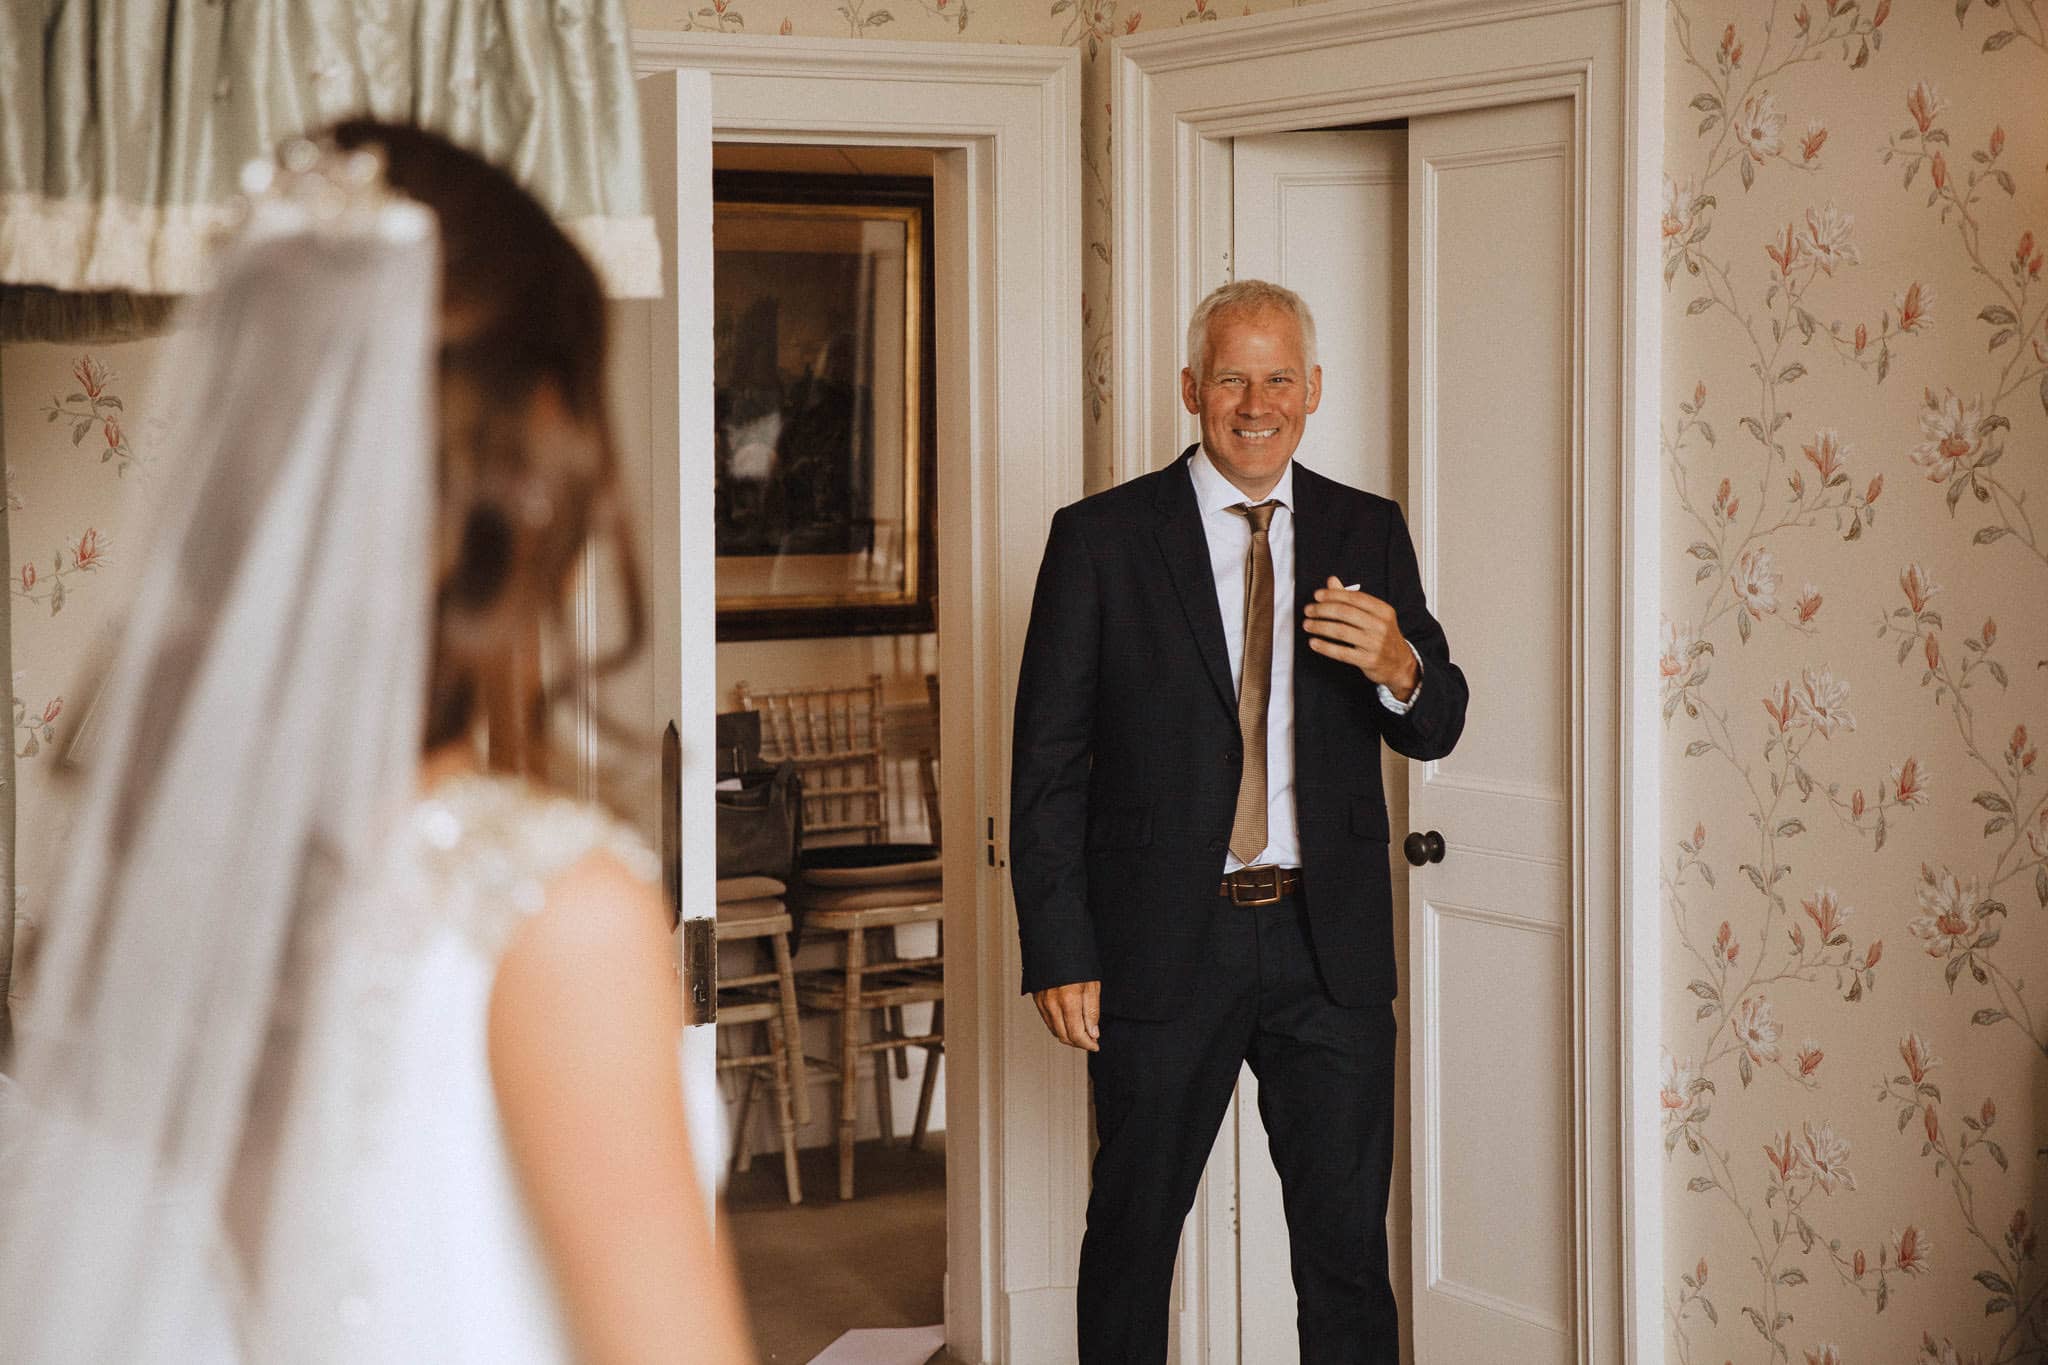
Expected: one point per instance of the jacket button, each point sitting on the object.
(1232, 755)
(1215, 845)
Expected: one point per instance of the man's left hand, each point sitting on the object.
(1361, 630)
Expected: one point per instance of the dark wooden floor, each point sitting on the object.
(816, 1270)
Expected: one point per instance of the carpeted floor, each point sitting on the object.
(822, 1267)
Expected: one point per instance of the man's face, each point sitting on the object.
(1255, 398)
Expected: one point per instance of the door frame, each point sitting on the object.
(1004, 123)
(1354, 61)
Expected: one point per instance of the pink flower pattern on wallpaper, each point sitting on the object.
(94, 408)
(1898, 786)
(720, 16)
(1964, 434)
(74, 460)
(82, 554)
(93, 412)
(847, 18)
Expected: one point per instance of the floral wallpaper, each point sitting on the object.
(78, 438)
(1855, 661)
(1854, 680)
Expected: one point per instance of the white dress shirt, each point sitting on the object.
(1230, 537)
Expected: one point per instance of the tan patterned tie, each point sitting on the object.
(1254, 688)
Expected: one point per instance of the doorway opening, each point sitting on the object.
(1006, 183)
(827, 529)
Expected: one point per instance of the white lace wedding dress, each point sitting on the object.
(397, 1231)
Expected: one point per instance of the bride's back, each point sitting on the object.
(396, 1207)
(341, 1049)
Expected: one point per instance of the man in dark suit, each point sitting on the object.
(1198, 836)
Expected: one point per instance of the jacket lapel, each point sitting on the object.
(1186, 550)
(1318, 537)
(1318, 548)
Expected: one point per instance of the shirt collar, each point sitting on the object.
(1213, 492)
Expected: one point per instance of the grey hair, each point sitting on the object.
(1248, 296)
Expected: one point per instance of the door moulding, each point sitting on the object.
(1004, 123)
(1179, 99)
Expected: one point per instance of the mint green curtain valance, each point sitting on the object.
(124, 126)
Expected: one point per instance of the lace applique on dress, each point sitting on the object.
(491, 844)
(398, 1037)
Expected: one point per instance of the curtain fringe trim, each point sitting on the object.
(115, 245)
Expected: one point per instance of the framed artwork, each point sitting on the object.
(824, 485)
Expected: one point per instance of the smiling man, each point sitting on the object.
(1198, 835)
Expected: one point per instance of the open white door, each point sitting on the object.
(661, 375)
(1492, 318)
(1326, 215)
(1440, 272)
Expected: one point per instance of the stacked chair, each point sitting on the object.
(834, 737)
(858, 891)
(759, 827)
(752, 909)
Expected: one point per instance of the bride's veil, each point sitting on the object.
(259, 731)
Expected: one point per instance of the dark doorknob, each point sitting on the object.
(1424, 848)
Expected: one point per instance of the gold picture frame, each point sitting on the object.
(824, 412)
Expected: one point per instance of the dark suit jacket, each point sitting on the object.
(1126, 762)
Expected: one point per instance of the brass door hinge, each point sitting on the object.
(700, 971)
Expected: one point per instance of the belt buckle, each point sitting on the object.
(1264, 881)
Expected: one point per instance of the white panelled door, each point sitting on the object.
(1439, 265)
(662, 408)
(1492, 320)
(1326, 215)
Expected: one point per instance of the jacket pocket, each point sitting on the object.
(1121, 827)
(1368, 819)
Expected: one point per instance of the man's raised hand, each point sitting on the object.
(1361, 630)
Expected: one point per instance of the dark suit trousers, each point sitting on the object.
(1326, 1085)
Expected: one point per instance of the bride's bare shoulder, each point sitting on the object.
(601, 898)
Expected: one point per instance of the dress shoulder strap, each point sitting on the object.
(490, 844)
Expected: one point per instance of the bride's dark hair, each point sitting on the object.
(528, 472)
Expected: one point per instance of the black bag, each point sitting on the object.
(739, 742)
(761, 824)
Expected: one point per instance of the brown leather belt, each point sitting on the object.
(1263, 884)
